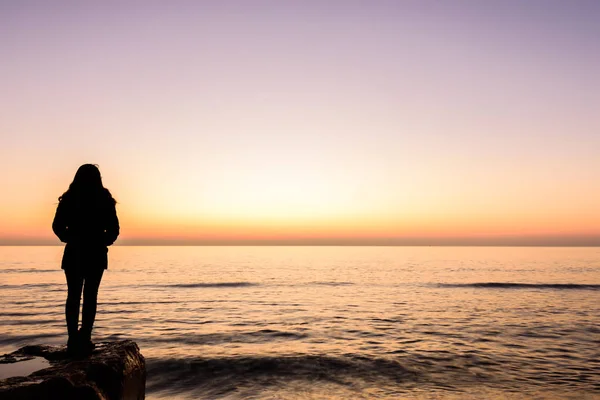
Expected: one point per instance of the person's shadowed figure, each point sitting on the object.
(86, 220)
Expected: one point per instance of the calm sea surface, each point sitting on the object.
(332, 322)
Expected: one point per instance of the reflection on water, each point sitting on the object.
(23, 368)
(332, 322)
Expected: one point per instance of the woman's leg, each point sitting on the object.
(90, 301)
(74, 285)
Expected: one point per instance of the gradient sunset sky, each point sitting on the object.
(373, 122)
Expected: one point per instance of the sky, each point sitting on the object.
(306, 122)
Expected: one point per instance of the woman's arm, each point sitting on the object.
(112, 226)
(59, 225)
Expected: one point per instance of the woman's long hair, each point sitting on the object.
(87, 184)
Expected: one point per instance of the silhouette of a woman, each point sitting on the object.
(86, 220)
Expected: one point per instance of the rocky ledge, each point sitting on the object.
(114, 370)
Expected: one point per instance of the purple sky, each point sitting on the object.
(465, 118)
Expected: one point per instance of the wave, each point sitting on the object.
(221, 375)
(436, 369)
(27, 271)
(240, 284)
(19, 314)
(513, 285)
(32, 285)
(210, 285)
(259, 336)
(119, 303)
(332, 283)
(7, 339)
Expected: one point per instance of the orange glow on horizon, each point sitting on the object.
(157, 228)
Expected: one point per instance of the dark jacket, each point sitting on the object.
(87, 225)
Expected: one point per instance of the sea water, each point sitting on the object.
(332, 322)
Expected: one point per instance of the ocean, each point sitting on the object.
(332, 322)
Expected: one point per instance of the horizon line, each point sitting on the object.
(588, 241)
(315, 245)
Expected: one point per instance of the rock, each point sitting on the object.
(114, 371)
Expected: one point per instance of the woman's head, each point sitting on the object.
(87, 177)
(87, 181)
